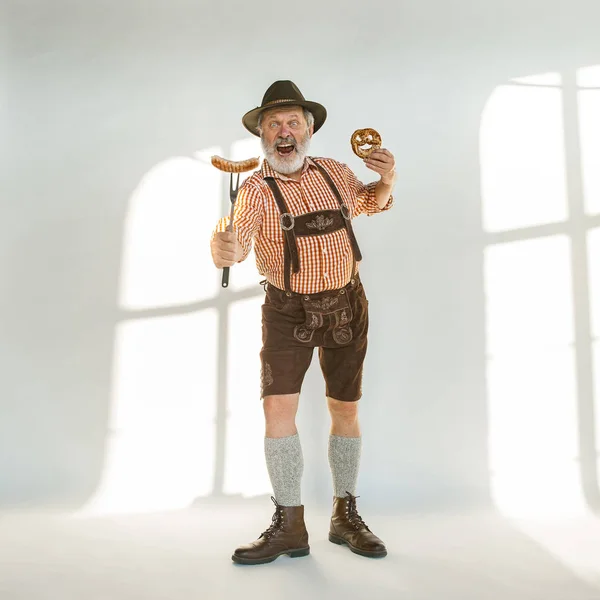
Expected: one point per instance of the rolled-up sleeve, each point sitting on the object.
(247, 217)
(364, 194)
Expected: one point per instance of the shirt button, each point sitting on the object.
(325, 275)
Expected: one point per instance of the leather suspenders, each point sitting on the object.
(311, 224)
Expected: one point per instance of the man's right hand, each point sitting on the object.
(226, 249)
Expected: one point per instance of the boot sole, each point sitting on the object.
(334, 539)
(261, 561)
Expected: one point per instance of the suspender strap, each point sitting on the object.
(345, 212)
(291, 261)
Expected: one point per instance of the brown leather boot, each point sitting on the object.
(286, 535)
(347, 527)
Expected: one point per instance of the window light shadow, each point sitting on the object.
(178, 383)
(538, 216)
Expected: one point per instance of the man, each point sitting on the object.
(297, 210)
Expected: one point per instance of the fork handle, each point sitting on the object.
(225, 277)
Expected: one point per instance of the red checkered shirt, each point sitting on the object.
(326, 260)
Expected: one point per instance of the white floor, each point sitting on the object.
(186, 554)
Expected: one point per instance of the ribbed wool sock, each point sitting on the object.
(285, 465)
(344, 460)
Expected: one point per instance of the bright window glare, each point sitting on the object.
(245, 471)
(529, 298)
(531, 378)
(542, 79)
(245, 275)
(249, 147)
(533, 433)
(161, 442)
(166, 258)
(522, 158)
(589, 133)
(589, 76)
(160, 452)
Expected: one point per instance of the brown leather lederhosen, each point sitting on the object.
(320, 222)
(335, 321)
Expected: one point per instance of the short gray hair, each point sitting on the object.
(308, 117)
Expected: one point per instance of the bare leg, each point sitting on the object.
(344, 418)
(280, 415)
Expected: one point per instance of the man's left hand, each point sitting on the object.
(382, 161)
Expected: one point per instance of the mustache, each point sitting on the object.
(284, 140)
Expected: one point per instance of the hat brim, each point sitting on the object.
(250, 119)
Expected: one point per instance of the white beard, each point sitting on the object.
(286, 165)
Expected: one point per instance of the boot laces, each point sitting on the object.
(276, 522)
(352, 513)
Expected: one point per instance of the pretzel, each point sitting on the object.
(365, 137)
(230, 166)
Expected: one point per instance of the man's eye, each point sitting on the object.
(294, 123)
(272, 125)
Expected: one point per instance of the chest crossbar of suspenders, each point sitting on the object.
(315, 223)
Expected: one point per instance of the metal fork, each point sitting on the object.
(233, 192)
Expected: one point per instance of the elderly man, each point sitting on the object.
(298, 212)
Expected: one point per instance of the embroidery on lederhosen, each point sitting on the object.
(266, 376)
(324, 304)
(305, 332)
(342, 333)
(315, 310)
(320, 222)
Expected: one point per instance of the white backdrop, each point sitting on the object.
(129, 380)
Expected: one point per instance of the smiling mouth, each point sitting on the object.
(285, 149)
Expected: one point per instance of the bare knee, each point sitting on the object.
(280, 415)
(344, 417)
(346, 411)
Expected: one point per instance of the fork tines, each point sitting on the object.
(233, 191)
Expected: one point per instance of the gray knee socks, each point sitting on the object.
(344, 460)
(285, 465)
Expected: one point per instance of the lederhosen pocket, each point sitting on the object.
(331, 311)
